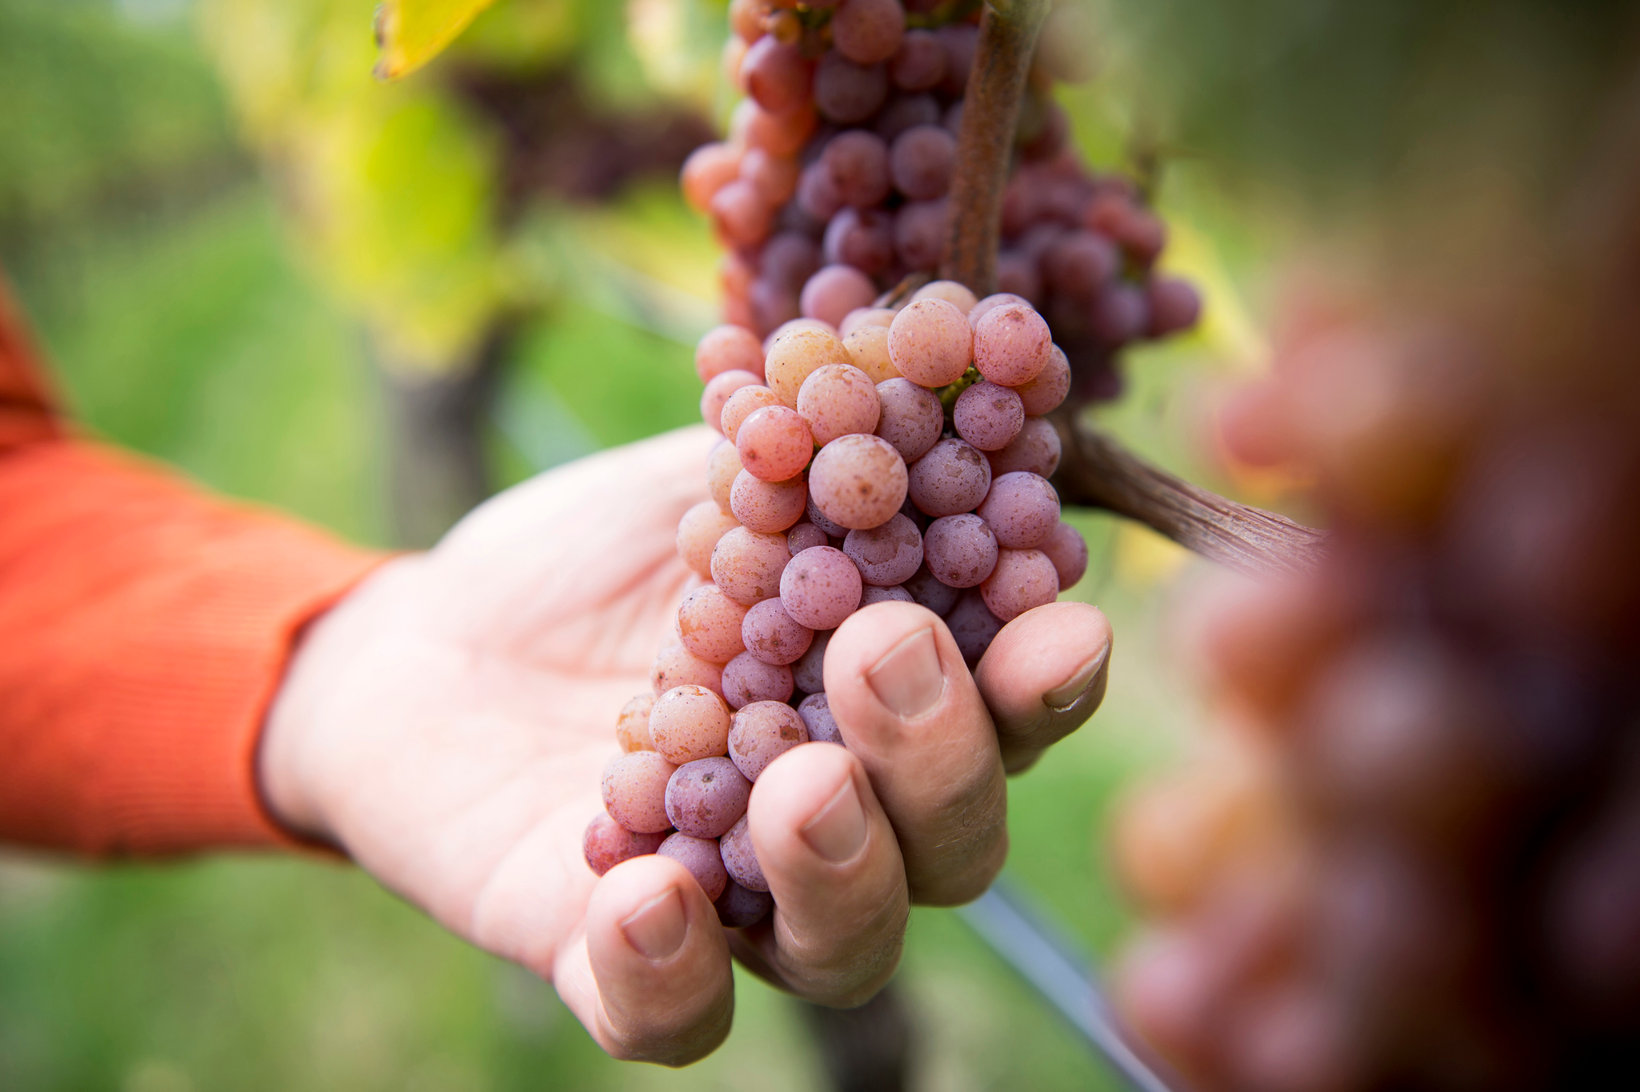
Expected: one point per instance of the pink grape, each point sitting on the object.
(921, 161)
(865, 316)
(707, 170)
(675, 665)
(1174, 305)
(1044, 393)
(767, 507)
(740, 907)
(845, 92)
(740, 215)
(834, 291)
(1022, 508)
(632, 726)
(747, 565)
(741, 405)
(960, 550)
(837, 400)
(797, 352)
(868, 31)
(747, 679)
(886, 555)
(818, 518)
(988, 416)
(804, 535)
(740, 858)
(818, 719)
(904, 112)
(930, 342)
(858, 481)
(953, 292)
(761, 732)
(606, 843)
(1122, 314)
(875, 594)
(772, 635)
(858, 162)
(689, 722)
(721, 467)
(992, 302)
(1068, 551)
(634, 791)
(698, 533)
(911, 417)
(972, 626)
(718, 392)
(927, 589)
(1011, 345)
(1035, 449)
(774, 443)
(920, 228)
(1022, 579)
(820, 587)
(728, 349)
(709, 623)
(862, 238)
(774, 177)
(817, 195)
(707, 796)
(920, 63)
(808, 672)
(867, 347)
(701, 857)
(777, 75)
(953, 477)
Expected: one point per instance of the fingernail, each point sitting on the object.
(838, 830)
(908, 679)
(1083, 681)
(656, 928)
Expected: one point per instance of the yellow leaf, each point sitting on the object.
(413, 32)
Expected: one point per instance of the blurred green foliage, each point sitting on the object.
(181, 323)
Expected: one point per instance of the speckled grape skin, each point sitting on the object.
(952, 478)
(972, 626)
(886, 555)
(767, 507)
(867, 348)
(1022, 509)
(634, 790)
(707, 796)
(955, 293)
(726, 348)
(929, 590)
(709, 623)
(721, 467)
(747, 679)
(858, 482)
(991, 303)
(698, 533)
(807, 672)
(747, 565)
(1044, 393)
(719, 391)
(874, 594)
(818, 518)
(774, 636)
(701, 857)
(1022, 579)
(804, 535)
(606, 843)
(632, 726)
(676, 666)
(820, 587)
(741, 405)
(1068, 551)
(912, 417)
(794, 355)
(988, 416)
(774, 443)
(689, 722)
(836, 400)
(1011, 345)
(817, 717)
(1035, 449)
(930, 342)
(740, 857)
(761, 732)
(740, 907)
(960, 550)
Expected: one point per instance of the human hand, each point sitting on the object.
(447, 723)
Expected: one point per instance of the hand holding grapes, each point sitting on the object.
(446, 724)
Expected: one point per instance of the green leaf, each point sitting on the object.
(413, 32)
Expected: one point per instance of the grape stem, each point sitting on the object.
(1096, 471)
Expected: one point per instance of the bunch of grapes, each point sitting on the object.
(1414, 859)
(916, 471)
(833, 183)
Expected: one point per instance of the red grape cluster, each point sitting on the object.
(832, 185)
(906, 459)
(1419, 865)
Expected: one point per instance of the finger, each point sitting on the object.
(909, 709)
(829, 854)
(1043, 676)
(652, 982)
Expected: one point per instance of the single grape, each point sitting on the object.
(772, 635)
(606, 843)
(1011, 345)
(787, 259)
(698, 533)
(930, 343)
(707, 796)
(820, 587)
(848, 93)
(817, 195)
(1121, 314)
(862, 238)
(740, 215)
(1021, 580)
(728, 349)
(776, 75)
(920, 229)
(632, 726)
(927, 589)
(689, 722)
(675, 665)
(1068, 551)
(868, 31)
(747, 565)
(952, 477)
(817, 718)
(747, 679)
(920, 63)
(988, 416)
(1080, 265)
(867, 347)
(858, 163)
(721, 467)
(1044, 393)
(804, 535)
(893, 594)
(709, 624)
(795, 354)
(634, 791)
(921, 161)
(719, 390)
(740, 907)
(741, 405)
(774, 444)
(761, 732)
(783, 133)
(837, 400)
(1174, 305)
(992, 302)
(961, 550)
(953, 292)
(707, 170)
(808, 672)
(1022, 508)
(1035, 449)
(905, 112)
(865, 316)
(740, 858)
(858, 482)
(911, 417)
(701, 857)
(972, 626)
(886, 555)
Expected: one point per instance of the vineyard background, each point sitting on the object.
(198, 307)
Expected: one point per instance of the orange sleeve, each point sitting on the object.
(144, 628)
